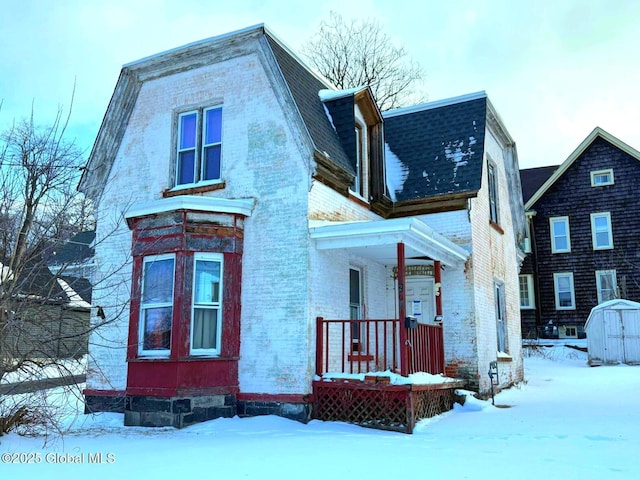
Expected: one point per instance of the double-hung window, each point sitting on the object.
(199, 155)
(606, 284)
(206, 311)
(560, 237)
(156, 305)
(601, 231)
(565, 295)
(526, 292)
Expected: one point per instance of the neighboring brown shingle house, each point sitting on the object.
(584, 241)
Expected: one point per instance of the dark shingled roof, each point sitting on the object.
(532, 179)
(76, 250)
(441, 144)
(305, 87)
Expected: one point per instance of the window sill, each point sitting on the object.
(496, 227)
(359, 200)
(193, 358)
(361, 357)
(504, 357)
(192, 189)
(527, 308)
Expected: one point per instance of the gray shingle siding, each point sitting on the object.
(304, 88)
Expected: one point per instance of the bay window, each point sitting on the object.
(206, 308)
(156, 304)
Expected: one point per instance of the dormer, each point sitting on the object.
(358, 123)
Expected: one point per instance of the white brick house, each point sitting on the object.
(257, 200)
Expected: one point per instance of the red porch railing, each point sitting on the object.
(360, 346)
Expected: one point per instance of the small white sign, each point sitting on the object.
(417, 308)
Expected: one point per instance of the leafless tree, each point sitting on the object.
(45, 318)
(357, 52)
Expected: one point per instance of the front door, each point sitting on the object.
(421, 299)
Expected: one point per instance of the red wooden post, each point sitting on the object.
(437, 276)
(319, 346)
(402, 312)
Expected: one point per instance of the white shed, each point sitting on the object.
(613, 333)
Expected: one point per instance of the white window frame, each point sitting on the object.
(614, 282)
(568, 331)
(356, 333)
(528, 278)
(556, 290)
(494, 200)
(594, 232)
(597, 174)
(212, 257)
(360, 185)
(552, 222)
(199, 148)
(144, 307)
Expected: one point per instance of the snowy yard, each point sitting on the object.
(568, 421)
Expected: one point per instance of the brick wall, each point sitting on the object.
(262, 158)
(494, 259)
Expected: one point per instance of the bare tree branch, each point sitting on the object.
(358, 53)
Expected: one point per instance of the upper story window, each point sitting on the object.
(601, 235)
(199, 146)
(560, 237)
(359, 185)
(156, 305)
(493, 193)
(600, 178)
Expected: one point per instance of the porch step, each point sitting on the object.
(382, 406)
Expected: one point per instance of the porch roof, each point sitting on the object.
(377, 240)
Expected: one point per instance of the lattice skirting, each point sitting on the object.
(386, 407)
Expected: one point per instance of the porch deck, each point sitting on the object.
(362, 369)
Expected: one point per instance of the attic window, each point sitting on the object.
(600, 178)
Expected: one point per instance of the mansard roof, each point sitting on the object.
(302, 84)
(436, 148)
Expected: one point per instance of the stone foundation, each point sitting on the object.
(179, 412)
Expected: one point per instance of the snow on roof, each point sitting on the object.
(396, 172)
(435, 104)
(75, 300)
(327, 95)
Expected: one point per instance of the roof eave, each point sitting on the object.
(595, 133)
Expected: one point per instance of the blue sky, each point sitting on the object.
(554, 70)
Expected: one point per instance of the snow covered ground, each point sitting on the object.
(567, 421)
